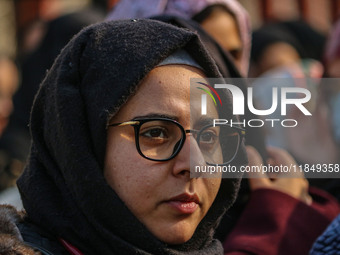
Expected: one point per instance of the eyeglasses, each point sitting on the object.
(161, 139)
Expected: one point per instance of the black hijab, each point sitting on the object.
(63, 188)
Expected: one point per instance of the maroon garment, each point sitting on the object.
(276, 223)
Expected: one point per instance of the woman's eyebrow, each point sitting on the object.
(156, 115)
(203, 121)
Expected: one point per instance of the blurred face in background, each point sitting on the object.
(278, 54)
(222, 26)
(8, 86)
(333, 68)
(275, 55)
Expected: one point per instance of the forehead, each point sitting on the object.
(170, 80)
(165, 90)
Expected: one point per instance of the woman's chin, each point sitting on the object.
(176, 234)
(176, 238)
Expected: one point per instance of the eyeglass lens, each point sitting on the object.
(160, 139)
(218, 144)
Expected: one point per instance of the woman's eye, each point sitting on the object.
(154, 133)
(208, 137)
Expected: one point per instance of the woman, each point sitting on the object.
(103, 176)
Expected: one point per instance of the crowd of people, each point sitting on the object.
(97, 153)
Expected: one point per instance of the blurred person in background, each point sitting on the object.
(10, 168)
(280, 57)
(8, 86)
(312, 40)
(332, 70)
(40, 46)
(328, 243)
(7, 29)
(282, 44)
(224, 20)
(311, 140)
(329, 92)
(289, 54)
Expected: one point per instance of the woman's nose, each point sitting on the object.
(189, 157)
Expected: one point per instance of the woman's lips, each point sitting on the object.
(184, 203)
(184, 207)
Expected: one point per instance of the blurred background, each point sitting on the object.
(320, 14)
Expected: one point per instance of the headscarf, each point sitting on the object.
(126, 9)
(313, 41)
(271, 34)
(63, 188)
(301, 36)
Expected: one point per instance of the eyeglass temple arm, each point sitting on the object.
(124, 124)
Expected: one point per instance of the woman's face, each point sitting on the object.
(223, 27)
(8, 86)
(161, 194)
(276, 55)
(333, 68)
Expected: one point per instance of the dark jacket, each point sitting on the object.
(17, 236)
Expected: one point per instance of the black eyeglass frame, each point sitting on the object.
(137, 123)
